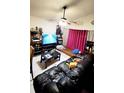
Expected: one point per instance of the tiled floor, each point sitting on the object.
(38, 69)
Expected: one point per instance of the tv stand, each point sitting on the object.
(48, 47)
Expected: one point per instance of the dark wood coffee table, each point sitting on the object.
(50, 56)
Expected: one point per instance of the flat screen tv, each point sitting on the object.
(48, 39)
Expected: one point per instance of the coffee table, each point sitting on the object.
(50, 56)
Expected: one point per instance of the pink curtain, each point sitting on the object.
(77, 39)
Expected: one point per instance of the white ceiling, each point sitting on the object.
(52, 9)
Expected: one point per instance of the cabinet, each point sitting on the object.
(36, 42)
(59, 40)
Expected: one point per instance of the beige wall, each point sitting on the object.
(47, 26)
(84, 23)
(65, 36)
(90, 35)
(50, 26)
(87, 22)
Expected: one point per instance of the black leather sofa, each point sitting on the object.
(62, 79)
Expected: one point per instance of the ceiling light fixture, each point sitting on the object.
(64, 8)
(63, 22)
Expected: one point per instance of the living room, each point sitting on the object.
(70, 37)
(65, 73)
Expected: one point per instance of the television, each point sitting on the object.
(48, 39)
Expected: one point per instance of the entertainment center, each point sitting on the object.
(43, 42)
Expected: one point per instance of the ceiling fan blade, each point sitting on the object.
(73, 22)
(54, 9)
(71, 4)
(92, 22)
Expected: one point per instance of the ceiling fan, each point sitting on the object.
(64, 8)
(64, 20)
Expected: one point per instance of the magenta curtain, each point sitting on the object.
(77, 39)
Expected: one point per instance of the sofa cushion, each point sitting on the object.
(51, 88)
(40, 82)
